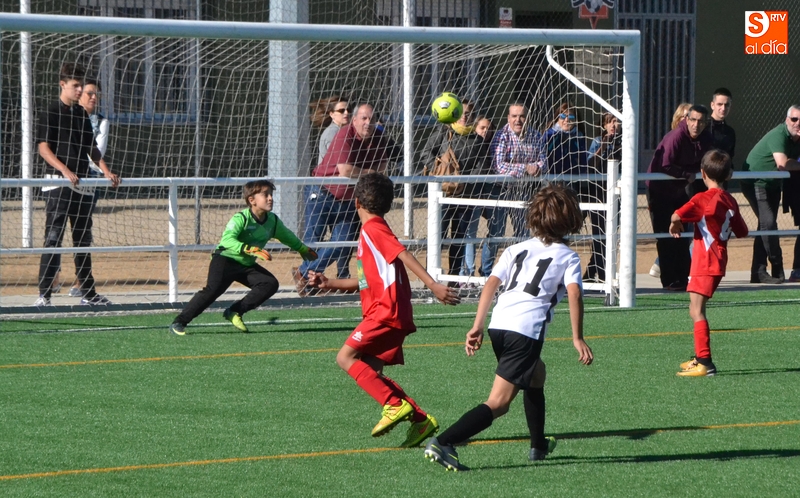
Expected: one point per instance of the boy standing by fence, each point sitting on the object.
(234, 260)
(715, 214)
(66, 143)
(386, 307)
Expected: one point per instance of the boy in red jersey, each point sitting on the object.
(386, 309)
(715, 214)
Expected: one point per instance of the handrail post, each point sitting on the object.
(173, 243)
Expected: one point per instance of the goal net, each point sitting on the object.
(192, 118)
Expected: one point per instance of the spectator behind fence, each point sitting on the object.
(791, 202)
(776, 151)
(357, 149)
(332, 113)
(606, 147)
(517, 151)
(567, 154)
(66, 143)
(723, 136)
(678, 155)
(470, 152)
(484, 129)
(90, 100)
(680, 114)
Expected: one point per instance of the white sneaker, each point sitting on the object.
(96, 300)
(655, 271)
(42, 301)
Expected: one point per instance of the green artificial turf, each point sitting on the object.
(115, 406)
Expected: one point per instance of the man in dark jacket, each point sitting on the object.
(678, 155)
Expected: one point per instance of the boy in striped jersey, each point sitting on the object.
(535, 276)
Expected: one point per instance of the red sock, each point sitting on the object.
(369, 380)
(419, 414)
(702, 339)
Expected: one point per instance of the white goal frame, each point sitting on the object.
(628, 40)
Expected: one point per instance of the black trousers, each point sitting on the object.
(222, 272)
(64, 204)
(765, 203)
(673, 254)
(592, 192)
(456, 219)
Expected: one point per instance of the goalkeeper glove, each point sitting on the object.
(257, 252)
(308, 254)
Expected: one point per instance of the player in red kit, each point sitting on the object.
(715, 214)
(386, 310)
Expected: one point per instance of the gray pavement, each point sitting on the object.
(149, 302)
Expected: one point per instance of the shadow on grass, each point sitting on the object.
(759, 371)
(708, 456)
(633, 434)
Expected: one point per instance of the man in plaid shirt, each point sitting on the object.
(517, 151)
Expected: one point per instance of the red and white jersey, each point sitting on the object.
(715, 214)
(535, 278)
(382, 278)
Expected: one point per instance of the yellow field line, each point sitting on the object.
(316, 454)
(329, 350)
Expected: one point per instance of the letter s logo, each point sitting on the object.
(756, 23)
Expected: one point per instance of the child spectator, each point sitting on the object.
(715, 214)
(386, 308)
(234, 260)
(535, 274)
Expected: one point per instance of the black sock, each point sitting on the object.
(705, 361)
(471, 423)
(534, 414)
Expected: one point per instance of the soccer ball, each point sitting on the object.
(447, 108)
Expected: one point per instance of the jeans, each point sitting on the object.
(765, 202)
(496, 222)
(468, 268)
(323, 211)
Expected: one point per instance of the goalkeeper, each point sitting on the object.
(234, 260)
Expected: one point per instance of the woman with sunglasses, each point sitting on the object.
(333, 113)
(337, 114)
(567, 154)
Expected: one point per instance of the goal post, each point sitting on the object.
(191, 99)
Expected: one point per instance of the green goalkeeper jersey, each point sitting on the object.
(244, 230)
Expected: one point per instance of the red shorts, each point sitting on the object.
(378, 340)
(704, 285)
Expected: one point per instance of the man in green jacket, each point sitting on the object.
(778, 150)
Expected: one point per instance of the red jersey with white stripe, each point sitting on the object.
(382, 278)
(715, 214)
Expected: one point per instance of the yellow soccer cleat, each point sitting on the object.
(392, 415)
(697, 369)
(235, 319)
(420, 431)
